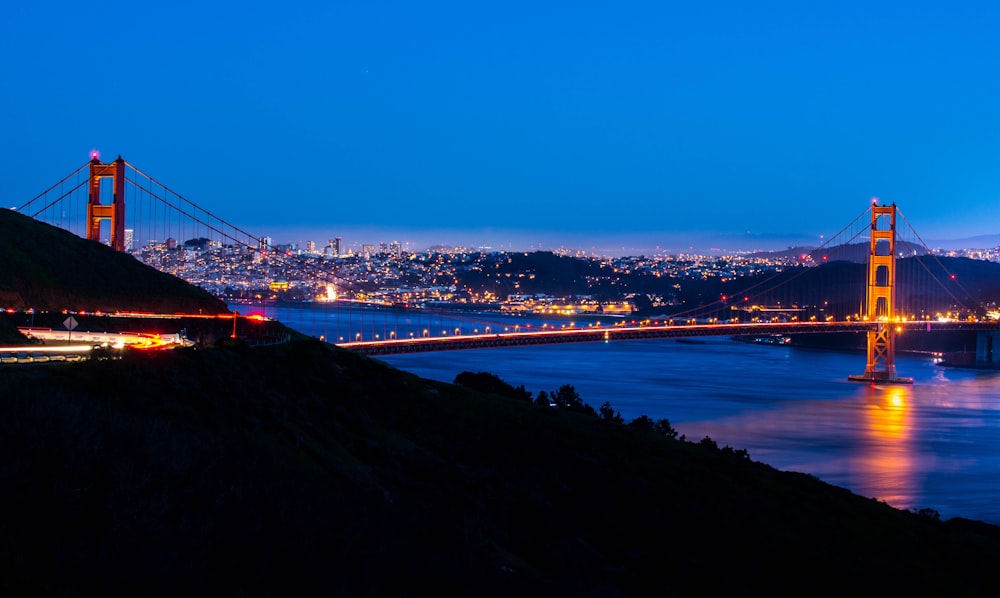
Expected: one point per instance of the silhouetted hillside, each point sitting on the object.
(47, 268)
(858, 252)
(543, 272)
(302, 467)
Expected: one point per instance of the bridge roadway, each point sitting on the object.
(583, 335)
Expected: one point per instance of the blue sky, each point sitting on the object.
(629, 124)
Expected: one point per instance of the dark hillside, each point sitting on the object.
(304, 467)
(46, 268)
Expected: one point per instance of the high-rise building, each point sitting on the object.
(311, 246)
(338, 250)
(129, 239)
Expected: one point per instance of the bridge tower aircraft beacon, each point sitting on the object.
(115, 211)
(881, 299)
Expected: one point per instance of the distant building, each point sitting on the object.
(368, 249)
(129, 239)
(311, 246)
(337, 244)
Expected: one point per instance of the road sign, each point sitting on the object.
(70, 323)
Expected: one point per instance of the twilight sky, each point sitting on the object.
(590, 124)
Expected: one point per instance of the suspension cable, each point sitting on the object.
(43, 193)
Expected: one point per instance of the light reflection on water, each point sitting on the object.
(930, 445)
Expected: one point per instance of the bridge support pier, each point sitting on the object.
(982, 349)
(988, 348)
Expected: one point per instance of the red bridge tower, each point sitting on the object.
(880, 306)
(115, 211)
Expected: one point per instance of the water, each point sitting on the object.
(930, 445)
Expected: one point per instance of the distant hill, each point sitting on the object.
(791, 252)
(977, 242)
(858, 252)
(47, 268)
(302, 468)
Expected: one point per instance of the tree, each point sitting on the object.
(663, 427)
(708, 442)
(642, 302)
(643, 422)
(609, 414)
(491, 383)
(929, 513)
(567, 397)
(543, 399)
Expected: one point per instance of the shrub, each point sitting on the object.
(609, 414)
(663, 427)
(491, 383)
(708, 442)
(643, 422)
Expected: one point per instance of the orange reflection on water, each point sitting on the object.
(885, 469)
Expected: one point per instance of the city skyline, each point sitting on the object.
(563, 125)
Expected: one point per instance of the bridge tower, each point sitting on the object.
(880, 304)
(115, 211)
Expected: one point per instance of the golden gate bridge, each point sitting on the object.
(118, 204)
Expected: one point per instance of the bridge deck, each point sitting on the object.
(583, 335)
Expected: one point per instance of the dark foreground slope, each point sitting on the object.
(47, 268)
(303, 467)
